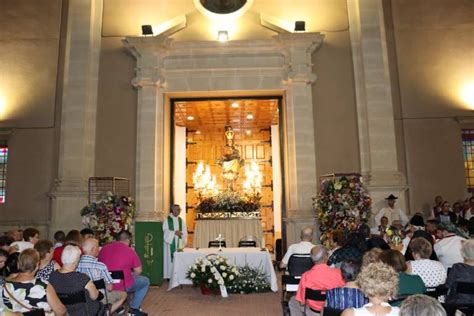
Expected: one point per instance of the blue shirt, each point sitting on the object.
(94, 269)
(345, 297)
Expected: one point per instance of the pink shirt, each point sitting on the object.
(320, 277)
(118, 256)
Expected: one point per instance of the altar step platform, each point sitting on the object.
(254, 257)
(231, 229)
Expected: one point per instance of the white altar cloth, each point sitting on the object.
(254, 257)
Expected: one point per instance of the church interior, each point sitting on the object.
(188, 102)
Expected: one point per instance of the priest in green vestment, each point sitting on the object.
(175, 235)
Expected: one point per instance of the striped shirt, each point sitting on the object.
(345, 297)
(96, 270)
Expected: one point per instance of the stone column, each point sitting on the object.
(301, 181)
(152, 169)
(378, 151)
(78, 114)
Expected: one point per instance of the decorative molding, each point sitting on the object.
(156, 45)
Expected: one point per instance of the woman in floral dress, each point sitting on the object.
(25, 292)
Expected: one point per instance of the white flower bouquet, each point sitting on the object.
(250, 280)
(212, 271)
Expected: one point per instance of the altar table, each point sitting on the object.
(231, 229)
(253, 257)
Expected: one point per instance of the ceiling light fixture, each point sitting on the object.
(198, 132)
(300, 26)
(190, 118)
(249, 116)
(222, 36)
(234, 105)
(248, 132)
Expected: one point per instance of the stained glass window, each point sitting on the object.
(468, 148)
(3, 170)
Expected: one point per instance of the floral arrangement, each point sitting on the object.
(250, 280)
(212, 271)
(343, 204)
(230, 201)
(109, 216)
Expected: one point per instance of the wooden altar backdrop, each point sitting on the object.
(208, 147)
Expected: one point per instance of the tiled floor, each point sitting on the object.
(189, 301)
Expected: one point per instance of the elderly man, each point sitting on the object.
(119, 256)
(175, 234)
(304, 246)
(320, 277)
(391, 212)
(96, 270)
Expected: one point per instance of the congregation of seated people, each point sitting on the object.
(370, 272)
(70, 275)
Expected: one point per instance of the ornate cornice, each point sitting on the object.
(296, 50)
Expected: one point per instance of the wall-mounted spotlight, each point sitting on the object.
(147, 30)
(300, 26)
(222, 36)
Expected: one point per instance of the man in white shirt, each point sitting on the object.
(391, 213)
(303, 247)
(30, 238)
(175, 235)
(448, 249)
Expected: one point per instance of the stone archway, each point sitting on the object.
(280, 65)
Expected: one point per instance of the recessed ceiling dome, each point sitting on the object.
(223, 9)
(222, 6)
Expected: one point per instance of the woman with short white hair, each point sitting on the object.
(421, 305)
(67, 281)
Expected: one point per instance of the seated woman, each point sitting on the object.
(47, 264)
(431, 272)
(463, 272)
(67, 281)
(349, 295)
(421, 305)
(352, 250)
(379, 282)
(408, 284)
(24, 292)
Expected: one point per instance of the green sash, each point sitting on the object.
(171, 227)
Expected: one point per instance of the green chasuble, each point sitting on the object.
(171, 227)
